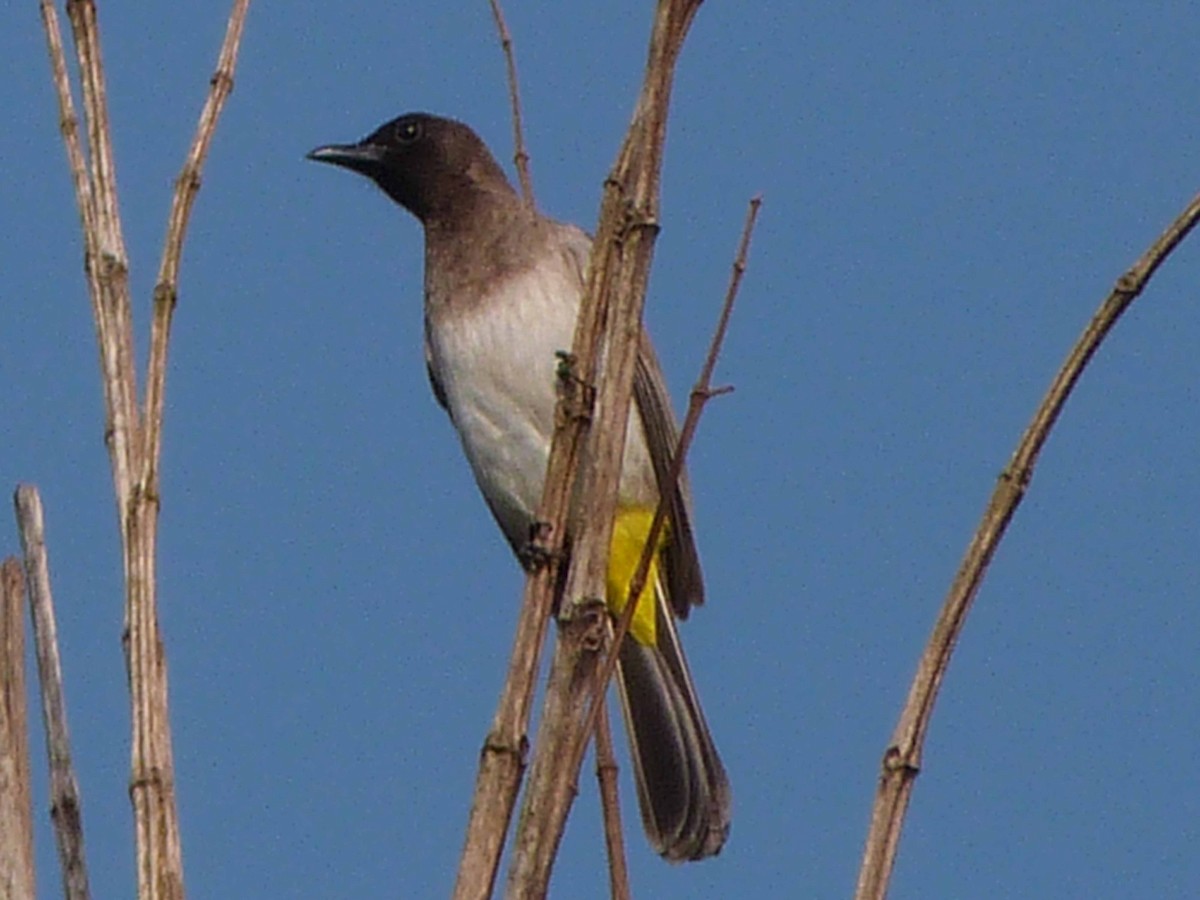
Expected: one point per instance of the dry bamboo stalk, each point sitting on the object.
(610, 803)
(16, 802)
(65, 810)
(902, 758)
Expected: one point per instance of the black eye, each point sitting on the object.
(408, 131)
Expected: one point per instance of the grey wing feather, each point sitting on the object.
(685, 582)
(439, 392)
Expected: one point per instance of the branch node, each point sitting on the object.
(496, 743)
(589, 617)
(1129, 285)
(895, 760)
(719, 391)
(165, 294)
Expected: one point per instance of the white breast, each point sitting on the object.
(497, 365)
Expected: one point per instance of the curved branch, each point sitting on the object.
(902, 759)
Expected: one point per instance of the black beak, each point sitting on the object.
(362, 158)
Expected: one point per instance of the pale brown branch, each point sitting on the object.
(109, 261)
(902, 759)
(187, 185)
(65, 810)
(116, 432)
(520, 155)
(16, 803)
(610, 804)
(611, 313)
(152, 788)
(82, 14)
(701, 393)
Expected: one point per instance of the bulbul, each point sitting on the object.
(503, 286)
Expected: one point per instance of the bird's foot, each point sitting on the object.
(535, 555)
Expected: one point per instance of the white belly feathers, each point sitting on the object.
(497, 365)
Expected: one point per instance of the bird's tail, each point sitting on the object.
(682, 788)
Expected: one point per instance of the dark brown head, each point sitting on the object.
(436, 168)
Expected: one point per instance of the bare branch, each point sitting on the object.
(65, 810)
(116, 432)
(520, 155)
(16, 803)
(109, 261)
(610, 803)
(902, 759)
(152, 787)
(186, 188)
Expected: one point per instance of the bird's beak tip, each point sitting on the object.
(351, 156)
(325, 153)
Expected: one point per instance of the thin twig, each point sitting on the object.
(110, 261)
(116, 430)
(520, 155)
(187, 185)
(702, 392)
(612, 305)
(610, 804)
(902, 759)
(16, 803)
(65, 810)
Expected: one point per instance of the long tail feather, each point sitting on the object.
(682, 788)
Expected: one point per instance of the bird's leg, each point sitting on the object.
(575, 396)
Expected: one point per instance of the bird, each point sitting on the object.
(502, 289)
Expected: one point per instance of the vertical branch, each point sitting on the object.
(902, 759)
(520, 156)
(108, 260)
(610, 803)
(116, 430)
(152, 787)
(611, 311)
(65, 809)
(16, 803)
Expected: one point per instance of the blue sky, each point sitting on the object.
(949, 192)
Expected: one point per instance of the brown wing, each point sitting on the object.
(685, 582)
(439, 392)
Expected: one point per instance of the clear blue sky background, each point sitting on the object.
(949, 190)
